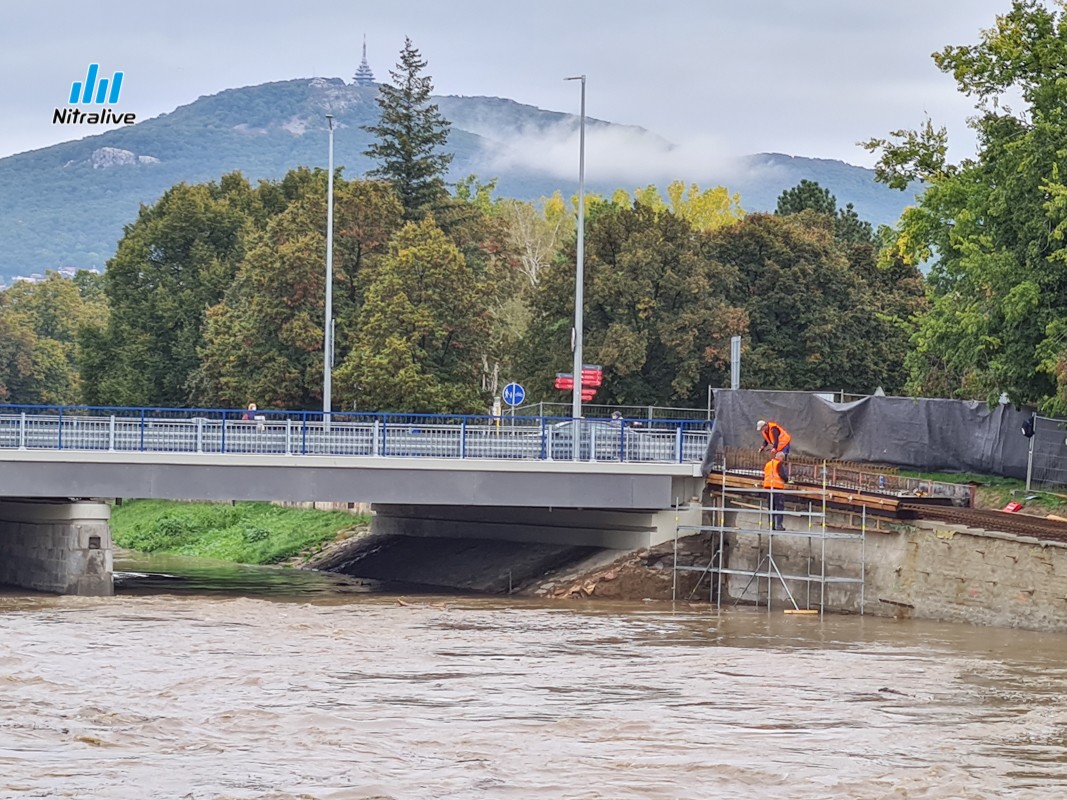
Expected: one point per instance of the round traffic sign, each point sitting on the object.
(513, 394)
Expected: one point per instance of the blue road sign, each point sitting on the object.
(513, 394)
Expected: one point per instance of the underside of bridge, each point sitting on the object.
(574, 527)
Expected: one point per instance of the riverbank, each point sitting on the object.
(246, 533)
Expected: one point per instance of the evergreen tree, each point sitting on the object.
(810, 196)
(806, 195)
(409, 136)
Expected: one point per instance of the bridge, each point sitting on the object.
(607, 483)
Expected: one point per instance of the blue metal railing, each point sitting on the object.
(387, 435)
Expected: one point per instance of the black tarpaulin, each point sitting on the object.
(914, 433)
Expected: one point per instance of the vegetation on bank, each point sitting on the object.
(995, 491)
(246, 533)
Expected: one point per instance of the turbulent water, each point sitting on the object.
(229, 683)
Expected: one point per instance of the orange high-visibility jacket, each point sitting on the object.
(776, 436)
(772, 475)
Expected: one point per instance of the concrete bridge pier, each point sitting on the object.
(61, 546)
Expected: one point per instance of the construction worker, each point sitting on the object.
(776, 439)
(775, 478)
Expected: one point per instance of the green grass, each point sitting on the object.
(247, 533)
(994, 491)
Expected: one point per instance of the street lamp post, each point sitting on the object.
(327, 364)
(579, 278)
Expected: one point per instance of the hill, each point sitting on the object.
(66, 205)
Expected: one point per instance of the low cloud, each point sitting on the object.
(615, 153)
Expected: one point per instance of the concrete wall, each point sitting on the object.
(60, 546)
(623, 530)
(926, 571)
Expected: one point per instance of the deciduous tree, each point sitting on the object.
(421, 330)
(173, 263)
(993, 225)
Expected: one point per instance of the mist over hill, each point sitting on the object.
(66, 205)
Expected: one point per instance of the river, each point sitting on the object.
(206, 683)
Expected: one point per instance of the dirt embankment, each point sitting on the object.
(522, 569)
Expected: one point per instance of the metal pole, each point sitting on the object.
(327, 365)
(579, 300)
(735, 362)
(1030, 460)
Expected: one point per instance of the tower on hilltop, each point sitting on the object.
(364, 76)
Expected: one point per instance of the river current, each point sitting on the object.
(200, 682)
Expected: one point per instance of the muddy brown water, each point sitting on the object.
(198, 681)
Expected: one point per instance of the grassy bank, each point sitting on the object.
(248, 533)
(993, 491)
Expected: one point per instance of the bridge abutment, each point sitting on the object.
(60, 546)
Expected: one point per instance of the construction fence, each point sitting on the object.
(1047, 462)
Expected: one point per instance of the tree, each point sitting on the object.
(264, 341)
(420, 332)
(173, 263)
(42, 321)
(409, 136)
(810, 196)
(993, 225)
(813, 319)
(806, 195)
(655, 314)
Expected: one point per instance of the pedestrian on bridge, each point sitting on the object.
(775, 478)
(776, 439)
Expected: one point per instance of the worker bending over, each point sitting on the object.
(776, 439)
(775, 478)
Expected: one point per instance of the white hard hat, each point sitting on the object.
(761, 424)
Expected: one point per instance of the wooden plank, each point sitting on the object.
(845, 496)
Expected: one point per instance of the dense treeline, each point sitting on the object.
(215, 296)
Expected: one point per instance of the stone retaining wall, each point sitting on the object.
(924, 570)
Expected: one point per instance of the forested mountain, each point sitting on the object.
(66, 205)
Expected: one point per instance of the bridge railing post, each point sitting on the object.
(111, 434)
(622, 439)
(304, 433)
(141, 447)
(22, 431)
(60, 432)
(200, 434)
(678, 442)
(463, 438)
(222, 446)
(376, 433)
(288, 435)
(546, 453)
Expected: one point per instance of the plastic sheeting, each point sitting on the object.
(913, 433)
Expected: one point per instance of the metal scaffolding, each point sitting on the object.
(811, 524)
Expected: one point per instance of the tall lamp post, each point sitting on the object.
(579, 278)
(327, 362)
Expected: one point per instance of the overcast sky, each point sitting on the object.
(803, 77)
